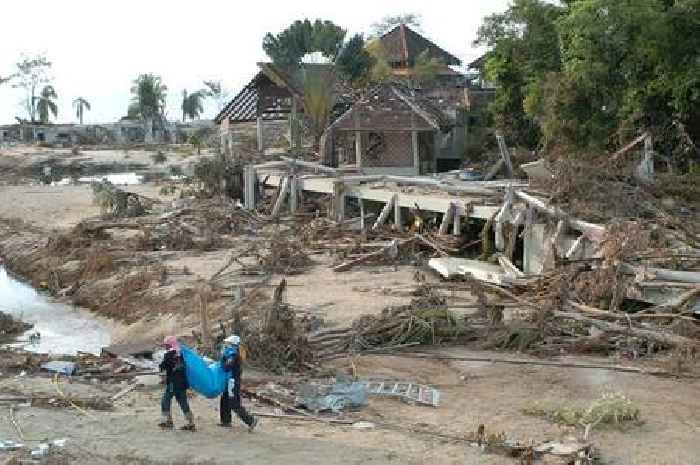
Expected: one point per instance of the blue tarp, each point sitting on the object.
(210, 380)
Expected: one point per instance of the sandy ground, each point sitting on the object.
(22, 156)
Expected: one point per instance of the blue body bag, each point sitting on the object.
(210, 380)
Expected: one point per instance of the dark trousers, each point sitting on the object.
(233, 402)
(180, 396)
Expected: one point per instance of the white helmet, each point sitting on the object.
(233, 340)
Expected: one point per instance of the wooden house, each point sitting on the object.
(389, 130)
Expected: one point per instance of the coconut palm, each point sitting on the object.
(192, 104)
(80, 105)
(45, 103)
(148, 97)
(318, 99)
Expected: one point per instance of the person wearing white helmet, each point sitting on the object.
(231, 397)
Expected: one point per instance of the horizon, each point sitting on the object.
(99, 69)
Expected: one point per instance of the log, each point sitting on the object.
(592, 231)
(446, 218)
(668, 339)
(124, 392)
(367, 257)
(432, 245)
(511, 361)
(494, 170)
(280, 197)
(385, 213)
(508, 267)
(628, 147)
(310, 165)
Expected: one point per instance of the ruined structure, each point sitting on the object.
(125, 131)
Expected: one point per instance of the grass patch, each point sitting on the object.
(612, 409)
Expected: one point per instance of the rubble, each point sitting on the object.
(10, 326)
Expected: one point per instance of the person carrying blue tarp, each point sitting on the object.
(231, 397)
(176, 385)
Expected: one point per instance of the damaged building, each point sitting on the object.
(428, 131)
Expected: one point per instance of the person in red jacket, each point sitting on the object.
(231, 397)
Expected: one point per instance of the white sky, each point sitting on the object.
(98, 47)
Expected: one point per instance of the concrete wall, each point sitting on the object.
(244, 135)
(127, 131)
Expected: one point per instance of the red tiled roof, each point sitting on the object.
(403, 45)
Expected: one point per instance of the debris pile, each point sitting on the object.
(10, 326)
(426, 320)
(276, 338)
(116, 203)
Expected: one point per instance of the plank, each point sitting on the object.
(384, 215)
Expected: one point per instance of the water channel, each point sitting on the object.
(62, 328)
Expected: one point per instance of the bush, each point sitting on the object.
(175, 170)
(159, 157)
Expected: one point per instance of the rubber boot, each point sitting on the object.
(189, 426)
(166, 421)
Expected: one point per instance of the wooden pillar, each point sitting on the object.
(293, 194)
(436, 150)
(397, 214)
(260, 133)
(338, 201)
(416, 154)
(385, 213)
(358, 149)
(284, 189)
(249, 184)
(362, 214)
(446, 218)
(294, 126)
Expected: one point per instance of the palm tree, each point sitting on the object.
(46, 104)
(148, 96)
(318, 99)
(80, 105)
(192, 104)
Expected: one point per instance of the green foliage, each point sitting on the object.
(80, 105)
(611, 408)
(31, 73)
(175, 170)
(216, 91)
(318, 98)
(197, 140)
(592, 73)
(192, 104)
(148, 97)
(390, 22)
(381, 70)
(302, 37)
(524, 48)
(354, 62)
(46, 106)
(426, 68)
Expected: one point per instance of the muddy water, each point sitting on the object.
(63, 329)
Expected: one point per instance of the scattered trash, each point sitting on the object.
(363, 425)
(8, 445)
(408, 392)
(336, 397)
(62, 367)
